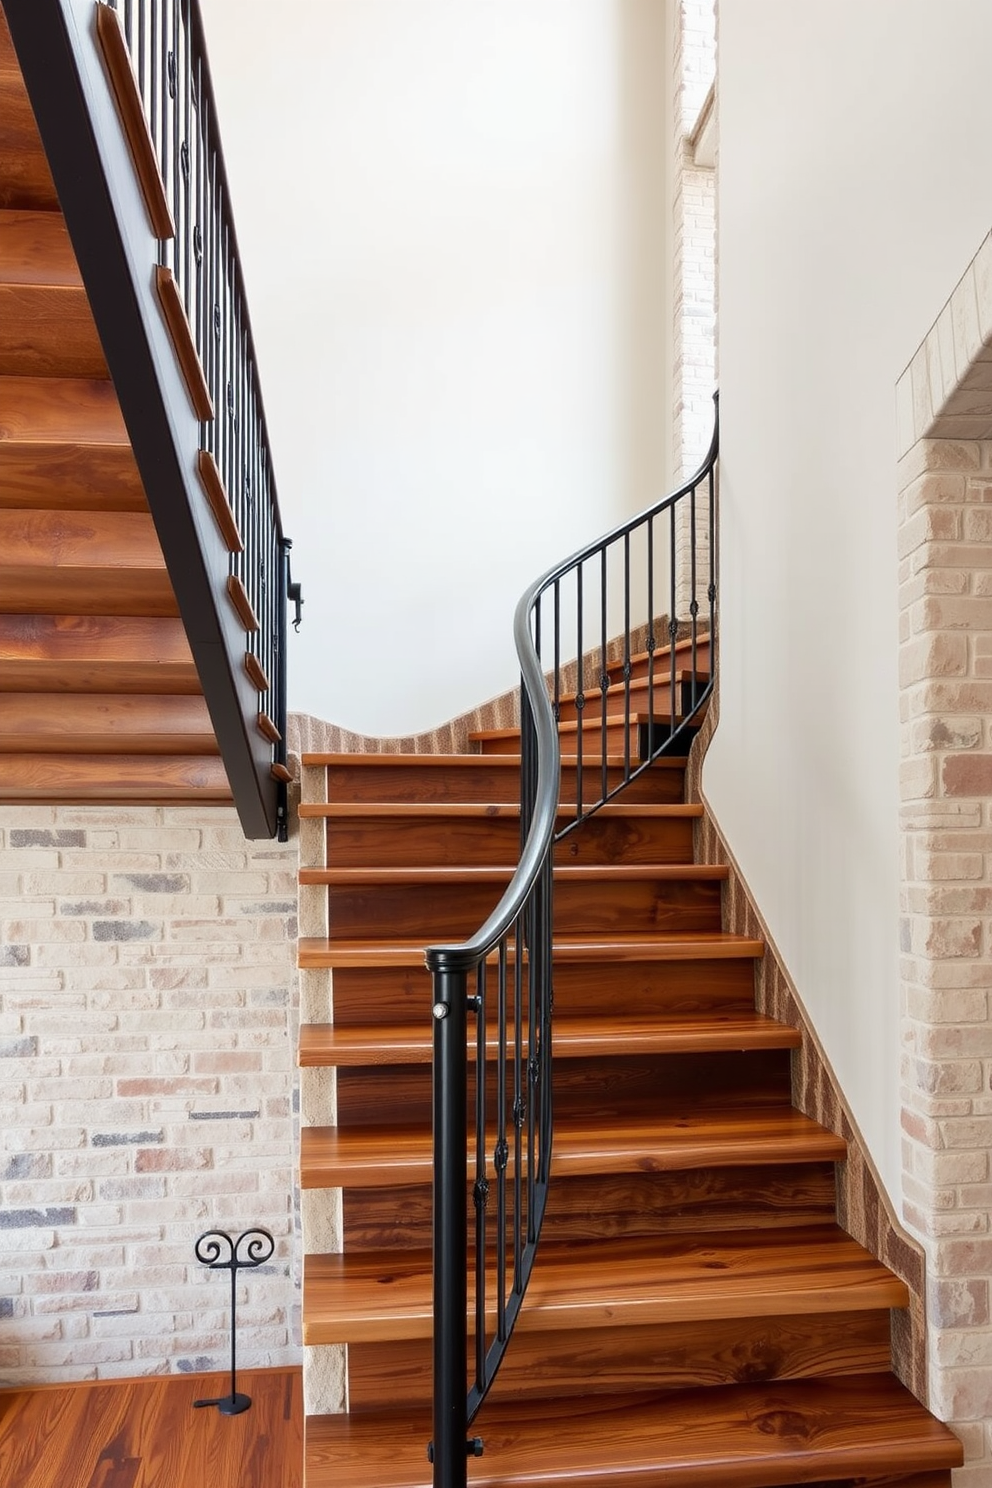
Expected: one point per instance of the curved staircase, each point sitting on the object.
(695, 1315)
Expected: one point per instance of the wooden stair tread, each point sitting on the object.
(579, 873)
(317, 951)
(442, 810)
(375, 1157)
(753, 1436)
(623, 1282)
(327, 1044)
(105, 723)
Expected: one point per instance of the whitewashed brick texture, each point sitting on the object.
(694, 270)
(148, 1003)
(945, 554)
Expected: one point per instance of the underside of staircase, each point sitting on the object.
(100, 699)
(696, 1316)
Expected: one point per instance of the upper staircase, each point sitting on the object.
(100, 697)
(695, 1316)
(143, 572)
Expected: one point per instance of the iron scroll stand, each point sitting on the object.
(211, 1248)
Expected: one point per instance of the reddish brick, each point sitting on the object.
(967, 775)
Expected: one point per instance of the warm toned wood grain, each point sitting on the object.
(760, 1436)
(74, 562)
(35, 249)
(478, 835)
(663, 946)
(48, 331)
(145, 778)
(613, 736)
(363, 1157)
(25, 180)
(60, 410)
(187, 356)
(703, 1351)
(213, 489)
(256, 675)
(327, 1044)
(238, 596)
(113, 44)
(697, 985)
(612, 1283)
(95, 653)
(70, 476)
(611, 1089)
(144, 1433)
(94, 723)
(99, 540)
(643, 695)
(692, 1201)
(434, 909)
(267, 728)
(488, 778)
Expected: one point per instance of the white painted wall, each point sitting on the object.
(453, 217)
(855, 185)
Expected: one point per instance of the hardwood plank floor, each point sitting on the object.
(144, 1433)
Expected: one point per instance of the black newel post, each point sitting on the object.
(217, 1250)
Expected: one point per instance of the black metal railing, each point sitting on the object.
(620, 705)
(122, 94)
(168, 51)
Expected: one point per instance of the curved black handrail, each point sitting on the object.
(516, 941)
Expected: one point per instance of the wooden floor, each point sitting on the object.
(145, 1434)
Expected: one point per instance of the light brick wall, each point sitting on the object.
(147, 1035)
(946, 700)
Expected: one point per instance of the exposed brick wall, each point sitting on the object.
(147, 1036)
(694, 268)
(945, 549)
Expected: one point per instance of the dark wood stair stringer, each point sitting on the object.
(699, 1318)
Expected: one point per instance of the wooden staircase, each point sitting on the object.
(696, 1316)
(99, 696)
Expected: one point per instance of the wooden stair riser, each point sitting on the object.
(617, 1360)
(685, 659)
(598, 1089)
(472, 778)
(95, 653)
(704, 1200)
(48, 331)
(446, 912)
(645, 695)
(97, 723)
(387, 995)
(484, 842)
(25, 179)
(85, 477)
(143, 779)
(35, 249)
(630, 737)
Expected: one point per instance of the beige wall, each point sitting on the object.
(453, 218)
(855, 184)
